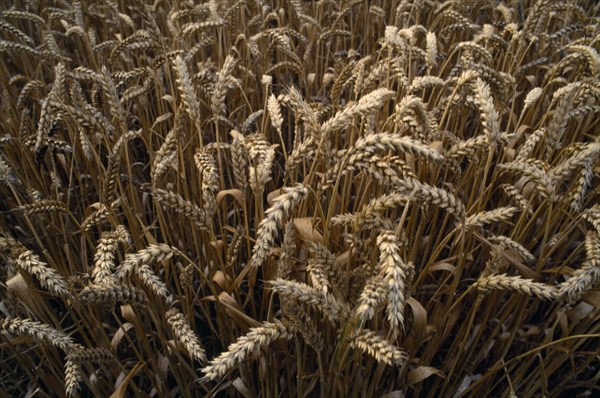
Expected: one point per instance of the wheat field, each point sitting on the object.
(288, 198)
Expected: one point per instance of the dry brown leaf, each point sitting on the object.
(421, 373)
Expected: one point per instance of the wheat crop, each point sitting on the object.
(273, 198)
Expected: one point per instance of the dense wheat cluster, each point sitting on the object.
(287, 198)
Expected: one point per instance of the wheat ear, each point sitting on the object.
(586, 276)
(111, 293)
(184, 333)
(373, 294)
(395, 272)
(104, 259)
(488, 217)
(73, 377)
(378, 347)
(517, 284)
(39, 331)
(239, 351)
(31, 263)
(268, 229)
(333, 309)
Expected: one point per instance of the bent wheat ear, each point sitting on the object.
(367, 104)
(333, 309)
(326, 261)
(378, 347)
(90, 355)
(111, 293)
(517, 284)
(515, 246)
(370, 214)
(180, 205)
(268, 229)
(489, 217)
(29, 262)
(239, 351)
(592, 215)
(104, 259)
(40, 331)
(44, 206)
(373, 294)
(585, 277)
(418, 191)
(138, 263)
(185, 334)
(366, 147)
